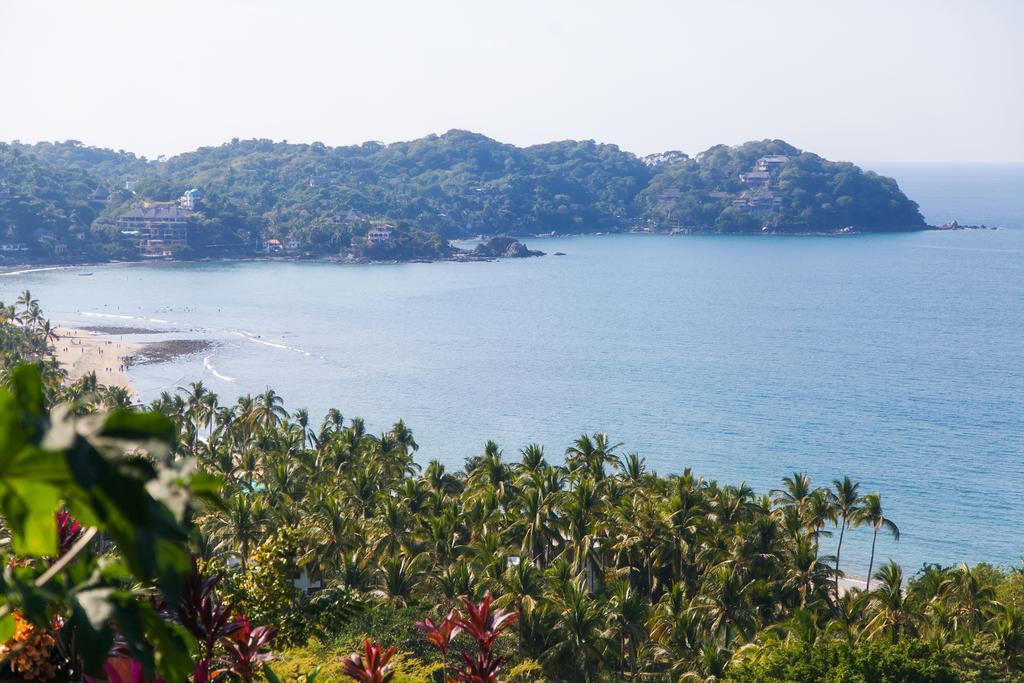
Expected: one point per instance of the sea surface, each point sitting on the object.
(895, 359)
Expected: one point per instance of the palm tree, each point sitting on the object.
(807, 573)
(398, 578)
(849, 609)
(1008, 629)
(578, 633)
(535, 523)
(533, 458)
(591, 453)
(521, 588)
(25, 300)
(973, 600)
(627, 616)
(795, 492)
(270, 409)
(725, 596)
(892, 610)
(302, 420)
(847, 501)
(818, 510)
(871, 514)
(239, 526)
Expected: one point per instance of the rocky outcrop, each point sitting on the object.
(503, 246)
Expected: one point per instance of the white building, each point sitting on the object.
(772, 162)
(190, 200)
(379, 235)
(756, 179)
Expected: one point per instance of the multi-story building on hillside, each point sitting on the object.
(157, 231)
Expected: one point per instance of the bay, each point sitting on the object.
(894, 359)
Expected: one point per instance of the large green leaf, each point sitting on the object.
(7, 627)
(29, 507)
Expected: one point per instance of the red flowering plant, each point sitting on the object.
(246, 650)
(208, 618)
(442, 634)
(483, 625)
(69, 530)
(123, 669)
(371, 666)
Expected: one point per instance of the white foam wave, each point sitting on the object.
(110, 315)
(33, 270)
(95, 314)
(209, 366)
(255, 338)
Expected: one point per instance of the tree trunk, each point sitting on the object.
(839, 549)
(871, 563)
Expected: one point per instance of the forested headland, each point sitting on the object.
(61, 201)
(199, 538)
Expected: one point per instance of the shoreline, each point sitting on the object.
(465, 257)
(80, 352)
(100, 349)
(847, 583)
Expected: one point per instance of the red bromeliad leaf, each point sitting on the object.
(370, 667)
(483, 624)
(244, 647)
(68, 531)
(122, 670)
(444, 633)
(483, 669)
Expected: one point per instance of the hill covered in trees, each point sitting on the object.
(64, 198)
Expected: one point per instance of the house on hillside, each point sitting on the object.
(771, 163)
(273, 246)
(156, 231)
(756, 179)
(669, 195)
(99, 196)
(379, 235)
(190, 200)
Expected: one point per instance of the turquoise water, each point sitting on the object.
(895, 359)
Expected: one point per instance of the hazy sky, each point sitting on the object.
(880, 81)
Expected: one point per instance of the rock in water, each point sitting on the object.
(504, 246)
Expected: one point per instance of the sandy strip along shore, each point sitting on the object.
(80, 353)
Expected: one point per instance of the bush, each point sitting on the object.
(838, 662)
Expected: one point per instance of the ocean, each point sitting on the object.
(894, 359)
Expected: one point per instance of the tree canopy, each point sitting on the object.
(435, 188)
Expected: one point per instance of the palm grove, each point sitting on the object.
(614, 572)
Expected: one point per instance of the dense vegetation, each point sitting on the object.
(600, 570)
(459, 184)
(816, 194)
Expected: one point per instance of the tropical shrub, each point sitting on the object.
(837, 662)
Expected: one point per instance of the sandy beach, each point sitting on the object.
(848, 582)
(81, 352)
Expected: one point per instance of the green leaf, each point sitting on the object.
(127, 424)
(89, 621)
(7, 627)
(29, 507)
(27, 384)
(35, 463)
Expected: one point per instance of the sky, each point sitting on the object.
(886, 81)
